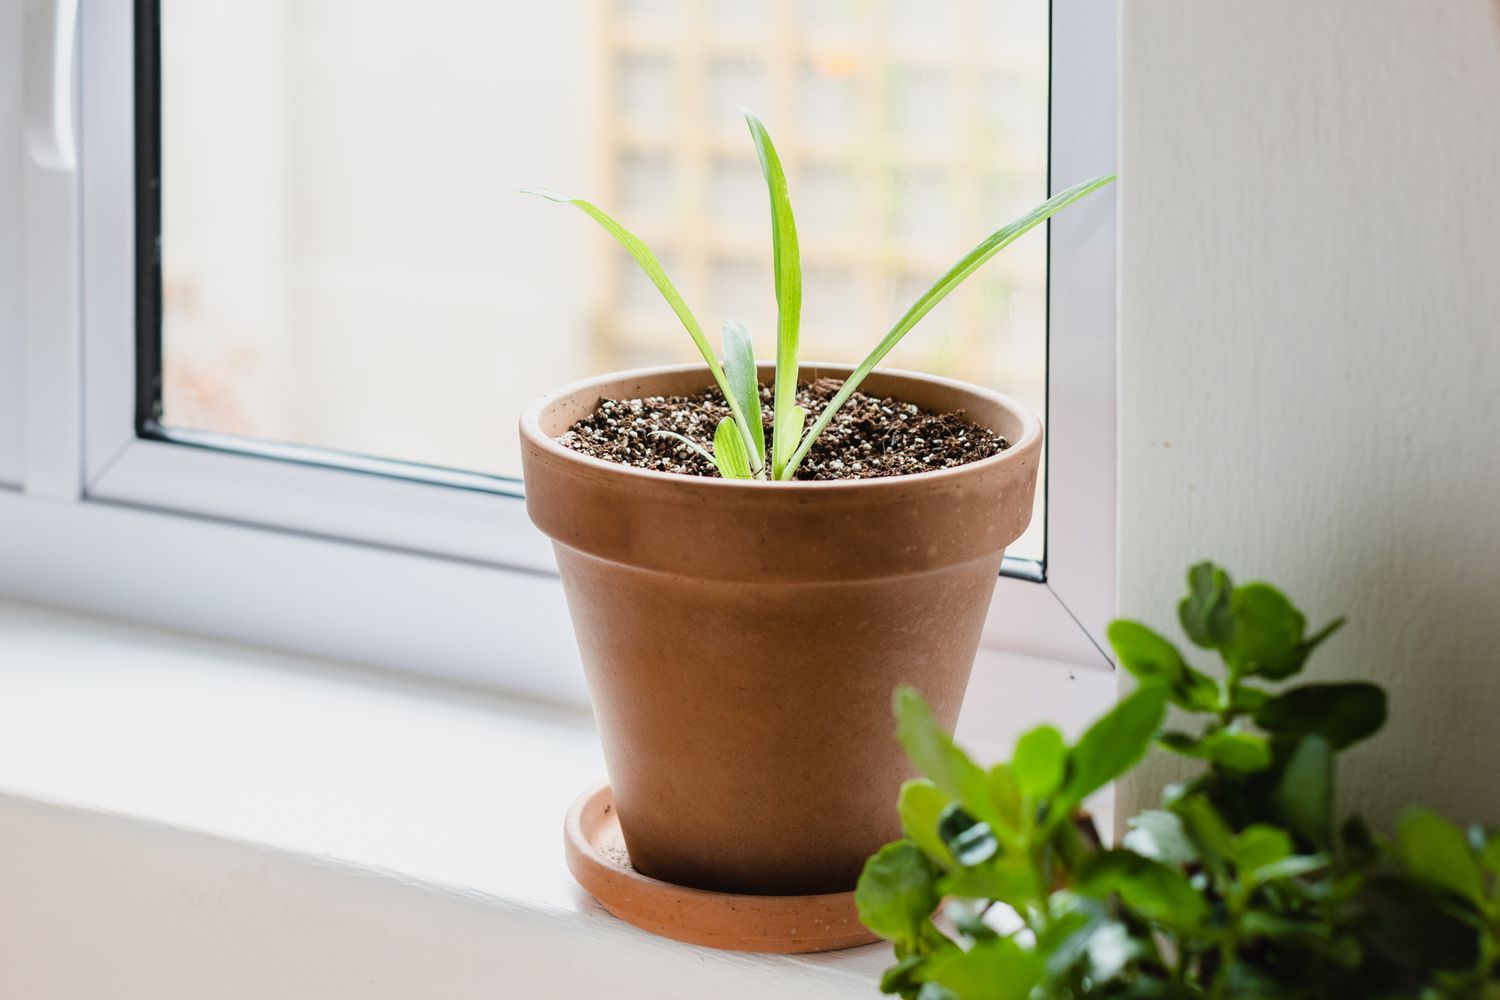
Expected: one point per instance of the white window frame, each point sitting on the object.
(11, 357)
(390, 563)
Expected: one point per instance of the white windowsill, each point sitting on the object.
(184, 817)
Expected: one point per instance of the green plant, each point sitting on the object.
(736, 375)
(1240, 885)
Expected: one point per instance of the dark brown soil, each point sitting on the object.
(867, 439)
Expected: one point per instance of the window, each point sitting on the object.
(340, 228)
(308, 303)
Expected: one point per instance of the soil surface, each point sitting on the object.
(868, 438)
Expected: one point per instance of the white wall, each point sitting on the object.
(1310, 323)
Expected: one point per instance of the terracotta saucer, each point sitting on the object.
(785, 924)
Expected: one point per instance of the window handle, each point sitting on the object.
(50, 27)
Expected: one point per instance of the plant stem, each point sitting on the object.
(1231, 688)
(1234, 905)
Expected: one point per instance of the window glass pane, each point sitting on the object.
(347, 264)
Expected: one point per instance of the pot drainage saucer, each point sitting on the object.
(598, 860)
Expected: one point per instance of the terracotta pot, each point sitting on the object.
(741, 639)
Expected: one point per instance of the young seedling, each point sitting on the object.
(739, 447)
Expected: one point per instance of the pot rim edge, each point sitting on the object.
(531, 431)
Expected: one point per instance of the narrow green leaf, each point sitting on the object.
(729, 451)
(920, 806)
(1341, 713)
(897, 892)
(788, 426)
(787, 260)
(739, 368)
(689, 442)
(997, 969)
(1149, 656)
(1204, 612)
(967, 265)
(658, 275)
(936, 755)
(1438, 851)
(1113, 744)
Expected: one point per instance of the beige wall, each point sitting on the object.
(1310, 323)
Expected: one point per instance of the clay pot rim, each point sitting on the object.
(733, 921)
(1023, 446)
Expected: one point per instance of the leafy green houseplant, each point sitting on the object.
(739, 446)
(1241, 885)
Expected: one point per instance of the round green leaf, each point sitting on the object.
(1304, 795)
(997, 969)
(1268, 631)
(920, 805)
(1154, 890)
(897, 892)
(1039, 762)
(730, 455)
(1438, 851)
(1149, 657)
(1258, 845)
(936, 755)
(1342, 714)
(1204, 612)
(1238, 751)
